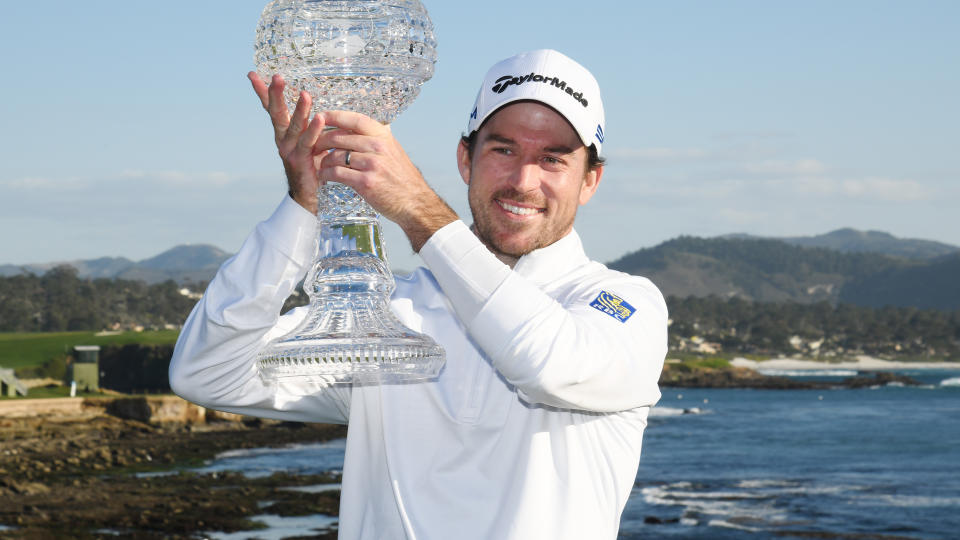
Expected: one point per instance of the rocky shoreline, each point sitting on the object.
(681, 376)
(73, 468)
(70, 476)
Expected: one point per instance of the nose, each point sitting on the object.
(526, 178)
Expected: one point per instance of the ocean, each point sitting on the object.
(881, 462)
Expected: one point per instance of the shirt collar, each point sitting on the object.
(549, 263)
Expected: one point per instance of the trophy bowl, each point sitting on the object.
(367, 56)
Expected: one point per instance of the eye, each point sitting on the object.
(503, 150)
(553, 163)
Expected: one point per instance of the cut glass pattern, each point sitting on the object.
(368, 56)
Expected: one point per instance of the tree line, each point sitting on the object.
(819, 329)
(61, 301)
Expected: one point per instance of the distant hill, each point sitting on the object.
(185, 263)
(104, 267)
(935, 285)
(856, 241)
(767, 270)
(844, 266)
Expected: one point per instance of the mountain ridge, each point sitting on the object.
(766, 270)
(850, 240)
(869, 268)
(183, 263)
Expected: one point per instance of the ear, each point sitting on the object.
(463, 162)
(590, 183)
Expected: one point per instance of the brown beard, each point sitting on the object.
(484, 232)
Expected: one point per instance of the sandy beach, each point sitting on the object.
(861, 363)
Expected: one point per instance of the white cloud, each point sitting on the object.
(786, 167)
(660, 154)
(179, 178)
(754, 135)
(156, 178)
(869, 188)
(886, 189)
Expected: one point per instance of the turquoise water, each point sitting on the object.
(871, 463)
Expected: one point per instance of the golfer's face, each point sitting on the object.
(527, 176)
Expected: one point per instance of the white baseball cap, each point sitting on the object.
(551, 78)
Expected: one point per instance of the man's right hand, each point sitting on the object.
(295, 136)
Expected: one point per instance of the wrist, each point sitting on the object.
(309, 202)
(433, 217)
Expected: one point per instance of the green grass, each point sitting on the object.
(42, 392)
(709, 363)
(21, 349)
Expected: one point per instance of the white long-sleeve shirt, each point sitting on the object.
(534, 426)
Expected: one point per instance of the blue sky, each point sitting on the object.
(129, 127)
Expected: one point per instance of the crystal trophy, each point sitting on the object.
(368, 56)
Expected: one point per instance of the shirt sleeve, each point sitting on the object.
(578, 354)
(214, 361)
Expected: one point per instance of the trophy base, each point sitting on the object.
(349, 334)
(323, 361)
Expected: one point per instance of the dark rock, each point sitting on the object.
(732, 377)
(654, 520)
(879, 378)
(737, 377)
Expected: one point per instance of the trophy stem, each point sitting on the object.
(350, 334)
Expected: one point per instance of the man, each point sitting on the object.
(534, 426)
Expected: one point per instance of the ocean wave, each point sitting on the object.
(723, 503)
(310, 458)
(729, 525)
(676, 411)
(909, 501)
(758, 500)
(766, 483)
(290, 448)
(953, 381)
(786, 486)
(280, 527)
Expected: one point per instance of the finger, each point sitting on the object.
(299, 118)
(345, 140)
(309, 137)
(353, 121)
(338, 158)
(349, 177)
(260, 88)
(276, 105)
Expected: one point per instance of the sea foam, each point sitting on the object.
(675, 411)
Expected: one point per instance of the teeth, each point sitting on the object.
(517, 210)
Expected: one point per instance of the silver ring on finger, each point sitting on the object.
(346, 159)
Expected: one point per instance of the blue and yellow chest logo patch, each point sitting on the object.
(613, 306)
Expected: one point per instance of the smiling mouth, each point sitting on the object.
(519, 210)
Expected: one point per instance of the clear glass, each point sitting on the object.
(368, 56)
